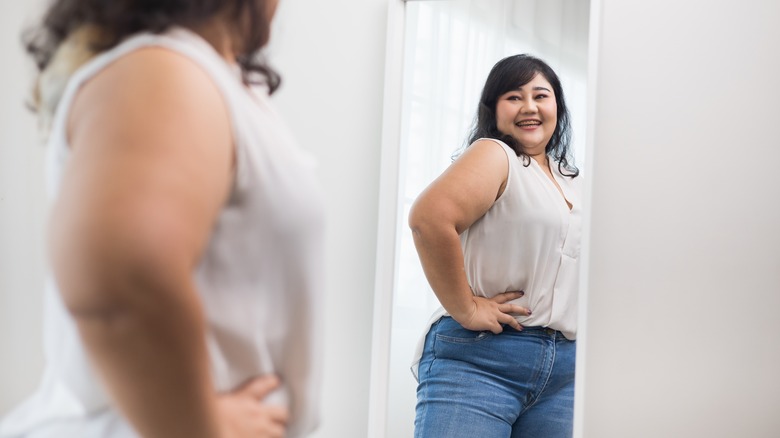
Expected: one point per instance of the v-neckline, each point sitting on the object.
(556, 185)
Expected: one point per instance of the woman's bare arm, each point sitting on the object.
(150, 167)
(447, 207)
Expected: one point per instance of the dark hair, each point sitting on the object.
(117, 19)
(509, 74)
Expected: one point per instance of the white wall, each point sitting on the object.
(331, 56)
(684, 276)
(22, 211)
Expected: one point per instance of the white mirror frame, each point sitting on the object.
(386, 259)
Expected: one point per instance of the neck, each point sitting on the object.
(541, 159)
(217, 33)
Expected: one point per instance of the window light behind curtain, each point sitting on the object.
(450, 47)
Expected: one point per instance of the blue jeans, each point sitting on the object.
(517, 384)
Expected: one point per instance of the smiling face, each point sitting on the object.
(529, 114)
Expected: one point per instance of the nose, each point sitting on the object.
(529, 107)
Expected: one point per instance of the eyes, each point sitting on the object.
(515, 97)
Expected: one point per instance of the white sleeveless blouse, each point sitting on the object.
(528, 240)
(259, 279)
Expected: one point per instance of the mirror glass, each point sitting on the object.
(449, 48)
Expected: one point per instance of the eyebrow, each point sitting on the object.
(520, 88)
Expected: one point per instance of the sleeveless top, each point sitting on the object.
(528, 240)
(259, 279)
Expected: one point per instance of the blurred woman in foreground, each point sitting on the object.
(186, 233)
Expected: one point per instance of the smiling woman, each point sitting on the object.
(446, 51)
(532, 118)
(500, 249)
(528, 113)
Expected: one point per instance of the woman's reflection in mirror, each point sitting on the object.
(498, 236)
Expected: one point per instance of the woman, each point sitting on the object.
(186, 232)
(498, 238)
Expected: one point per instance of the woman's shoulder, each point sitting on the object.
(487, 151)
(138, 90)
(492, 142)
(178, 48)
(150, 72)
(487, 148)
(174, 58)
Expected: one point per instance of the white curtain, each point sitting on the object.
(450, 46)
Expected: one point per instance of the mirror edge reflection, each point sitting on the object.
(594, 38)
(384, 282)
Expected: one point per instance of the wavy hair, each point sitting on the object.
(74, 31)
(512, 73)
(118, 19)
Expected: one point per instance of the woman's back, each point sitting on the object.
(257, 277)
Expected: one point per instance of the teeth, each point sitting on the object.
(528, 123)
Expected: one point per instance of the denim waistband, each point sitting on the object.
(547, 330)
(536, 330)
(528, 330)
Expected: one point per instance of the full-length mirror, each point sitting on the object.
(448, 49)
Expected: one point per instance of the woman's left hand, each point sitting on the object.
(492, 313)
